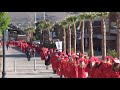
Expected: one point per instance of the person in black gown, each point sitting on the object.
(47, 59)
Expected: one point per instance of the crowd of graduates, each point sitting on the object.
(73, 65)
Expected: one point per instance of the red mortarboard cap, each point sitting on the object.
(63, 53)
(72, 53)
(92, 59)
(107, 57)
(62, 56)
(96, 58)
(60, 53)
(69, 54)
(66, 56)
(98, 61)
(81, 59)
(117, 61)
(81, 54)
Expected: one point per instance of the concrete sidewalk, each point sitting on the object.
(17, 66)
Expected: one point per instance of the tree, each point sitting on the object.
(48, 28)
(29, 31)
(68, 19)
(40, 30)
(74, 18)
(82, 18)
(4, 21)
(64, 25)
(71, 21)
(103, 30)
(43, 26)
(90, 16)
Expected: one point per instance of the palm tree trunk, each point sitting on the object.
(103, 39)
(118, 38)
(69, 39)
(74, 39)
(90, 39)
(49, 38)
(43, 39)
(82, 38)
(30, 37)
(32, 34)
(64, 40)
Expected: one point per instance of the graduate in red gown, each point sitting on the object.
(53, 60)
(59, 65)
(64, 66)
(115, 68)
(7, 45)
(82, 64)
(73, 66)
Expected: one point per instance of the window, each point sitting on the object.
(97, 23)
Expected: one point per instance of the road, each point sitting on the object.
(17, 66)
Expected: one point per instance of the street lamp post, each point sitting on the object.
(43, 31)
(3, 72)
(34, 61)
(44, 15)
(34, 49)
(35, 20)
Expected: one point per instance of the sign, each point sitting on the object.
(59, 45)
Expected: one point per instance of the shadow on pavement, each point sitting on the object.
(18, 49)
(15, 55)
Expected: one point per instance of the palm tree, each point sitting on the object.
(74, 36)
(69, 34)
(103, 30)
(82, 17)
(48, 28)
(41, 28)
(29, 31)
(90, 16)
(64, 25)
(118, 34)
(72, 21)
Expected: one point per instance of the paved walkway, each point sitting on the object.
(17, 66)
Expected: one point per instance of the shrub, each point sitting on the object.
(34, 38)
(112, 53)
(72, 49)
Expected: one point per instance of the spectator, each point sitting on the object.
(7, 45)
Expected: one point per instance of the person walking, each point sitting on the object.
(47, 59)
(7, 45)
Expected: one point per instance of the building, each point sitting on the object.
(111, 33)
(15, 33)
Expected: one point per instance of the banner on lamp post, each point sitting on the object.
(59, 45)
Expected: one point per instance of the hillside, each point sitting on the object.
(29, 16)
(25, 19)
